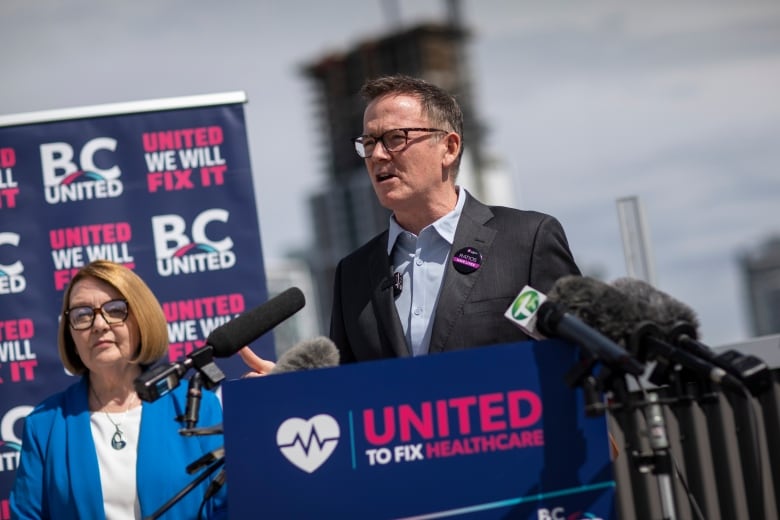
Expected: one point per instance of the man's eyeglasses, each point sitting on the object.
(82, 318)
(393, 140)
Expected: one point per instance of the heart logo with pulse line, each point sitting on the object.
(308, 443)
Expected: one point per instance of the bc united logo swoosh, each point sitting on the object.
(308, 443)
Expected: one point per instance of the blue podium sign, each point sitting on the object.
(492, 432)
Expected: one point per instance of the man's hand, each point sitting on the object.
(258, 365)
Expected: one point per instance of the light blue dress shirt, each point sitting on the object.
(422, 260)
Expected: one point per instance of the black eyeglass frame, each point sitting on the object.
(110, 321)
(358, 141)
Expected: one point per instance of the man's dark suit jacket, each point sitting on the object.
(518, 248)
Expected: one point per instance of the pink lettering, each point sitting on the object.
(7, 158)
(182, 138)
(108, 233)
(63, 277)
(370, 426)
(442, 415)
(16, 329)
(485, 443)
(177, 351)
(491, 406)
(8, 197)
(461, 405)
(221, 305)
(23, 370)
(490, 412)
(515, 399)
(422, 424)
(215, 173)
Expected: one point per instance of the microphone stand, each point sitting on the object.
(194, 395)
(612, 379)
(207, 374)
(581, 374)
(660, 462)
(186, 489)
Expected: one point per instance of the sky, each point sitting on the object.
(674, 102)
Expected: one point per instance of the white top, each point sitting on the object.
(117, 467)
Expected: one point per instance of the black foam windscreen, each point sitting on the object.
(231, 337)
(664, 310)
(599, 305)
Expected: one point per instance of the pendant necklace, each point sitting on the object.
(118, 440)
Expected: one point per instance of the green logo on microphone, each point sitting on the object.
(525, 305)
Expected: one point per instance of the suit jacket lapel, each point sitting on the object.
(383, 301)
(456, 287)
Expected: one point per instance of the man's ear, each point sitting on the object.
(453, 144)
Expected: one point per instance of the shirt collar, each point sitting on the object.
(445, 226)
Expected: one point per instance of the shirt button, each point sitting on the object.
(418, 261)
(417, 311)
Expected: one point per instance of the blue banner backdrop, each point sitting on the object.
(483, 433)
(163, 187)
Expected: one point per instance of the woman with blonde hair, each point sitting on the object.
(96, 450)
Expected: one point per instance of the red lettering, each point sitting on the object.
(63, 277)
(26, 328)
(215, 135)
(491, 412)
(8, 197)
(408, 420)
(182, 138)
(177, 351)
(515, 399)
(107, 233)
(215, 172)
(23, 370)
(442, 414)
(370, 428)
(491, 406)
(123, 231)
(5, 510)
(183, 179)
(461, 405)
(208, 306)
(16, 329)
(8, 157)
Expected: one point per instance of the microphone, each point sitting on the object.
(631, 322)
(681, 325)
(224, 341)
(215, 485)
(319, 352)
(554, 320)
(539, 315)
(234, 335)
(206, 459)
(396, 282)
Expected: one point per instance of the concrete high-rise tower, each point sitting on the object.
(346, 212)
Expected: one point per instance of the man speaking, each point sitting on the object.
(444, 272)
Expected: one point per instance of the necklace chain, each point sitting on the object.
(118, 440)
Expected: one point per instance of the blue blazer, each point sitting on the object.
(58, 474)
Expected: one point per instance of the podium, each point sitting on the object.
(486, 433)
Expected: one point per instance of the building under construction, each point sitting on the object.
(346, 213)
